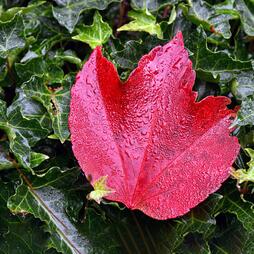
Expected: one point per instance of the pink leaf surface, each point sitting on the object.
(161, 151)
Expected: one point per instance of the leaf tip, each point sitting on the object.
(179, 38)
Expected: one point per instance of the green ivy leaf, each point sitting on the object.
(68, 11)
(213, 18)
(47, 202)
(230, 237)
(233, 203)
(19, 234)
(243, 85)
(37, 159)
(23, 133)
(194, 243)
(248, 248)
(246, 10)
(31, 109)
(143, 21)
(219, 65)
(245, 115)
(55, 100)
(151, 5)
(10, 13)
(38, 67)
(126, 56)
(96, 34)
(68, 56)
(11, 35)
(201, 220)
(129, 56)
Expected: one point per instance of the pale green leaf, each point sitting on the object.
(100, 191)
(143, 21)
(245, 175)
(172, 16)
(96, 34)
(37, 159)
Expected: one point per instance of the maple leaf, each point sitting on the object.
(162, 152)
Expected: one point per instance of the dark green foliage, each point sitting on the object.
(43, 45)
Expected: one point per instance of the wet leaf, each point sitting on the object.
(218, 64)
(151, 5)
(11, 35)
(128, 55)
(55, 100)
(39, 67)
(214, 18)
(68, 11)
(148, 155)
(246, 10)
(243, 85)
(38, 60)
(47, 201)
(22, 132)
(19, 234)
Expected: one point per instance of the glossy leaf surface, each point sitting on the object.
(10, 35)
(96, 34)
(67, 12)
(157, 146)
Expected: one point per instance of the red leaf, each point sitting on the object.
(161, 152)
